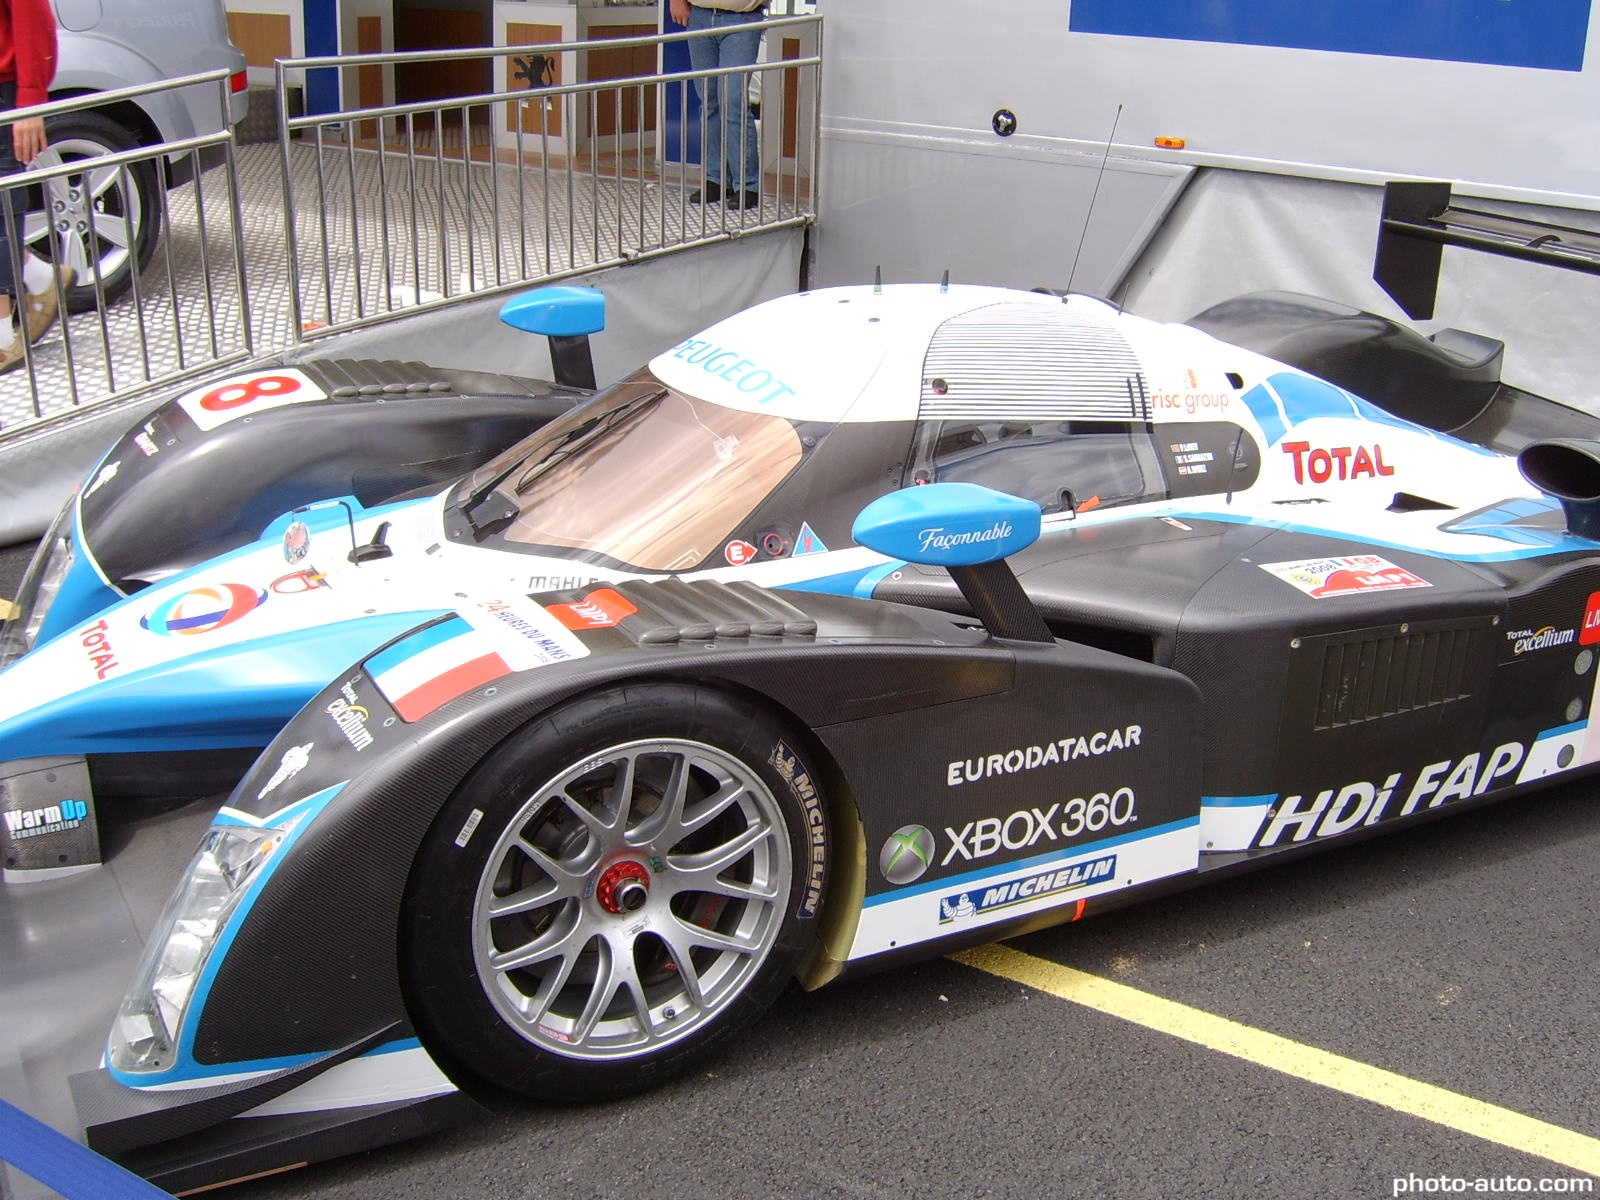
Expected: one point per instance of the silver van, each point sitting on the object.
(107, 44)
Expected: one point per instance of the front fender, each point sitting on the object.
(314, 962)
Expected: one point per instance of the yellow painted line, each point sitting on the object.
(9, 611)
(1435, 1104)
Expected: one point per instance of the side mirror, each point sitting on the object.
(559, 311)
(970, 530)
(567, 316)
(948, 524)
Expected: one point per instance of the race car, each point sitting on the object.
(1125, 605)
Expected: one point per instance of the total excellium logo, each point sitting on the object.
(351, 716)
(907, 853)
(51, 818)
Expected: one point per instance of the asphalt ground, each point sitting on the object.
(1457, 956)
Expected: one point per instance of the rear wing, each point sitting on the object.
(1421, 219)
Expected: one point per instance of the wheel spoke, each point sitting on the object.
(525, 900)
(536, 1008)
(682, 955)
(719, 858)
(622, 791)
(614, 973)
(591, 820)
(569, 881)
(74, 252)
(698, 935)
(710, 882)
(101, 182)
(669, 814)
(709, 809)
(112, 230)
(547, 945)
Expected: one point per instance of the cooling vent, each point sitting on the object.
(1372, 674)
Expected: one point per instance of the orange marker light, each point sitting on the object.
(1171, 143)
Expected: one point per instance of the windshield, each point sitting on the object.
(642, 474)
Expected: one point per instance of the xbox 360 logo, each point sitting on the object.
(907, 853)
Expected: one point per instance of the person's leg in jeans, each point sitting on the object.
(703, 53)
(740, 47)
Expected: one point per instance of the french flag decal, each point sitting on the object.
(482, 643)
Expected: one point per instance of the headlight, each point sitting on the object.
(145, 1035)
(40, 585)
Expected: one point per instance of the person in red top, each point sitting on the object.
(27, 65)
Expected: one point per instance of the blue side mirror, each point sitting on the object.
(948, 525)
(559, 311)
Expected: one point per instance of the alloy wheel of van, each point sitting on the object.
(597, 909)
(99, 219)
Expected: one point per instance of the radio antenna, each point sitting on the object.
(1093, 196)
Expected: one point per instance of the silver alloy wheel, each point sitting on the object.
(90, 220)
(631, 899)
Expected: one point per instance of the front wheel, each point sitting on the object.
(620, 888)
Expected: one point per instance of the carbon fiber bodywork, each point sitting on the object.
(384, 430)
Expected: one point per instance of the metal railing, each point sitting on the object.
(379, 211)
(160, 287)
(413, 205)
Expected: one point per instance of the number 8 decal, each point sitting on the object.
(233, 395)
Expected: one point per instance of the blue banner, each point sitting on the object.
(1547, 34)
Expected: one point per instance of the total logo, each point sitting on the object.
(51, 818)
(102, 656)
(1340, 462)
(203, 609)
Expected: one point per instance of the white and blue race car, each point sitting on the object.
(868, 624)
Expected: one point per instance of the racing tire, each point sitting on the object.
(618, 890)
(97, 220)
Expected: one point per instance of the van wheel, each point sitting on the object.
(99, 220)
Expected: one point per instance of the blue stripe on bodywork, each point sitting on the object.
(237, 696)
(1237, 801)
(971, 878)
(1284, 400)
(300, 817)
(423, 639)
(1555, 542)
